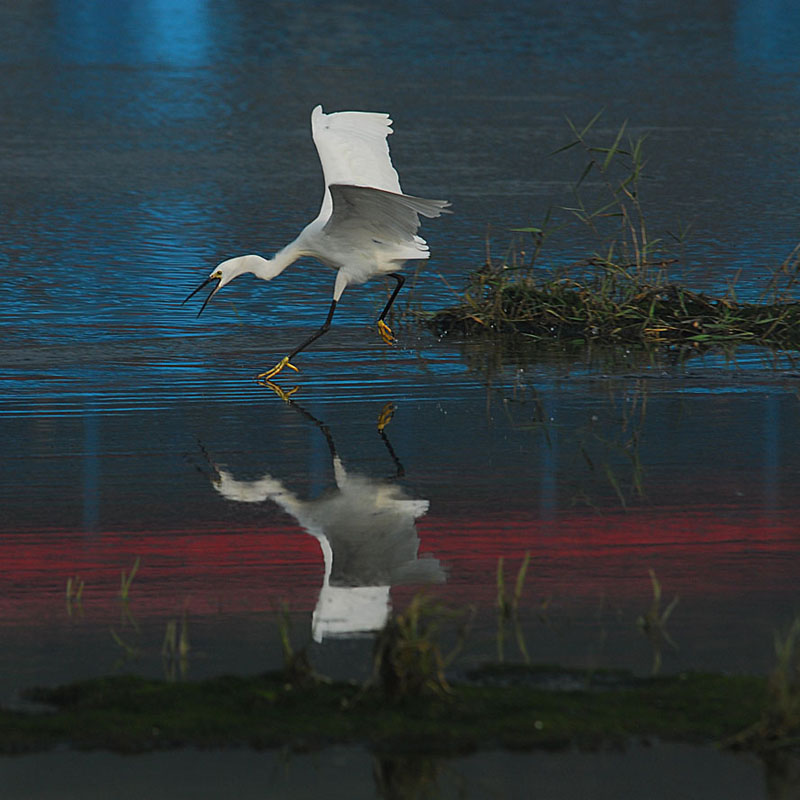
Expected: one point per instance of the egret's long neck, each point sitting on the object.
(268, 268)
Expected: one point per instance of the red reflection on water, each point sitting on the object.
(249, 568)
(693, 553)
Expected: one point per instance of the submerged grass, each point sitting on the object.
(624, 292)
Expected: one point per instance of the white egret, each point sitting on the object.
(365, 227)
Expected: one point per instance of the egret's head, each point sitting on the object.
(223, 274)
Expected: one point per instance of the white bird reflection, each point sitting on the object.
(366, 528)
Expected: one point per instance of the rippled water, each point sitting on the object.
(144, 142)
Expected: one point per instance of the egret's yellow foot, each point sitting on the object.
(385, 417)
(271, 373)
(385, 332)
(282, 393)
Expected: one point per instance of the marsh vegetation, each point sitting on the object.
(415, 701)
(630, 287)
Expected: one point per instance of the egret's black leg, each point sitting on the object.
(401, 279)
(286, 360)
(383, 329)
(314, 336)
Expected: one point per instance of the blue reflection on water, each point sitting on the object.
(96, 270)
(174, 32)
(767, 33)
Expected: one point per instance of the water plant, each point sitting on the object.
(508, 607)
(74, 596)
(625, 290)
(126, 579)
(653, 623)
(779, 724)
(297, 669)
(175, 649)
(129, 651)
(407, 657)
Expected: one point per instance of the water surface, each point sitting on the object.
(143, 143)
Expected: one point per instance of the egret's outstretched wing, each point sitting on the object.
(352, 149)
(363, 214)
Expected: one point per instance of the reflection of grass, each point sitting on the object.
(175, 649)
(604, 452)
(408, 658)
(784, 682)
(779, 724)
(654, 622)
(175, 646)
(126, 580)
(406, 775)
(611, 447)
(297, 669)
(125, 583)
(74, 596)
(508, 607)
(623, 292)
(129, 651)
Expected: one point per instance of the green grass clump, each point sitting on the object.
(615, 311)
(130, 714)
(626, 291)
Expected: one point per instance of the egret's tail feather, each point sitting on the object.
(425, 207)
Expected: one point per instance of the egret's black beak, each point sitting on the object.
(203, 286)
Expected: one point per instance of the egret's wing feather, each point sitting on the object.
(352, 149)
(363, 213)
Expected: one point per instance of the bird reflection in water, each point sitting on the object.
(366, 528)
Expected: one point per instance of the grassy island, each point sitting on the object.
(629, 290)
(511, 707)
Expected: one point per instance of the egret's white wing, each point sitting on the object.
(352, 149)
(361, 214)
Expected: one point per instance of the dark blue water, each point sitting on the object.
(141, 143)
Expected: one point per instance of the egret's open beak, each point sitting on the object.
(203, 286)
